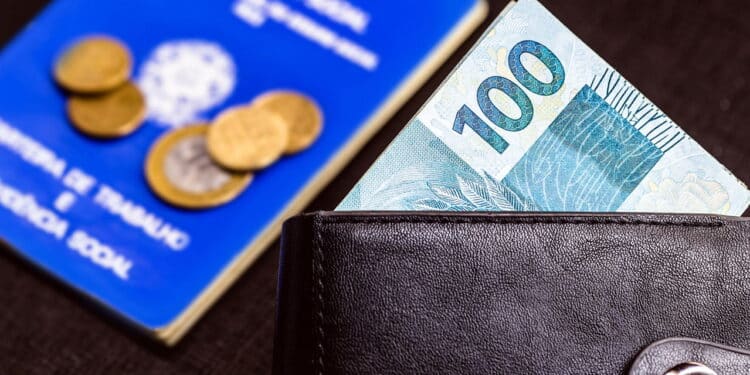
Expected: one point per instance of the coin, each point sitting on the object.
(247, 138)
(301, 114)
(180, 171)
(93, 65)
(111, 115)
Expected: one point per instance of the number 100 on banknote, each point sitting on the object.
(533, 120)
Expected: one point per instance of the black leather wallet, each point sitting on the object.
(495, 293)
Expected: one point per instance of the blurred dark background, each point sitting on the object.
(690, 57)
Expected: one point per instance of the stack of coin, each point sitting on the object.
(96, 72)
(206, 165)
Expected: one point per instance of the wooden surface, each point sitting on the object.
(692, 58)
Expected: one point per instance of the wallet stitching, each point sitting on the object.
(318, 258)
(518, 220)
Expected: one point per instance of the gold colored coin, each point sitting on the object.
(111, 115)
(247, 138)
(301, 114)
(180, 171)
(94, 65)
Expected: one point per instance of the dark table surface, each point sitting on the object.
(691, 57)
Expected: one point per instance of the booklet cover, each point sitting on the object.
(81, 208)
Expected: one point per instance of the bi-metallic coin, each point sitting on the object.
(111, 115)
(300, 113)
(247, 138)
(180, 171)
(93, 65)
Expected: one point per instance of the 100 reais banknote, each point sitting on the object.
(533, 120)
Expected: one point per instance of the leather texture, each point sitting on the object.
(661, 356)
(493, 293)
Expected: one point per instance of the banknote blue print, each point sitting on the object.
(589, 159)
(533, 120)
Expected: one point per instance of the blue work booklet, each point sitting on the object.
(81, 208)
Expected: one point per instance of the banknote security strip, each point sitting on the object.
(533, 120)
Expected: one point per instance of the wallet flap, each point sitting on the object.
(458, 293)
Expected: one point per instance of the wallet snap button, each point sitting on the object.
(690, 368)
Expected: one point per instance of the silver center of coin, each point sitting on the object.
(189, 167)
